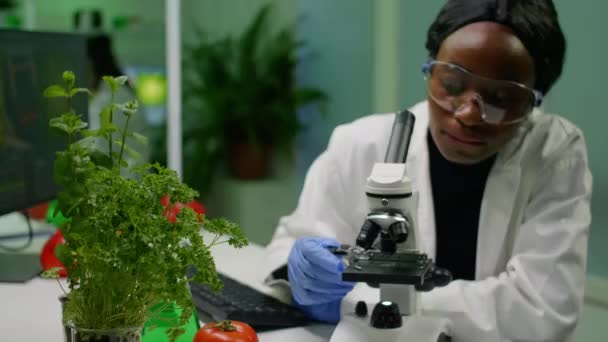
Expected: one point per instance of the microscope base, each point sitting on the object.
(415, 328)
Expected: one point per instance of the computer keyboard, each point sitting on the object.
(240, 302)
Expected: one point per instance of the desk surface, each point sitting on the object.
(31, 312)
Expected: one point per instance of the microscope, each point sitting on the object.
(386, 255)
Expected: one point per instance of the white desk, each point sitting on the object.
(31, 312)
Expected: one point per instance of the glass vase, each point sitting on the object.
(74, 334)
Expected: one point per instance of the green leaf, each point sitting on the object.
(91, 133)
(61, 167)
(128, 108)
(142, 139)
(111, 83)
(88, 143)
(107, 125)
(120, 80)
(105, 115)
(114, 82)
(51, 273)
(306, 95)
(55, 91)
(69, 123)
(69, 78)
(59, 124)
(222, 227)
(63, 254)
(80, 90)
(81, 125)
(99, 158)
(108, 128)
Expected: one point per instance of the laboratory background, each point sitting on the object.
(356, 57)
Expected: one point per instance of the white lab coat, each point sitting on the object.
(533, 225)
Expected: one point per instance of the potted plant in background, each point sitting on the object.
(8, 16)
(126, 260)
(244, 94)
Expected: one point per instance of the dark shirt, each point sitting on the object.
(457, 194)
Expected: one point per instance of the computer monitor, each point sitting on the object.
(29, 62)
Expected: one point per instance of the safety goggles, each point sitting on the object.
(500, 102)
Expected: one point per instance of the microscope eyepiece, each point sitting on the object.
(401, 135)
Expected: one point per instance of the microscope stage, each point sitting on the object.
(398, 268)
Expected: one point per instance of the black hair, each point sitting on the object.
(535, 23)
(101, 57)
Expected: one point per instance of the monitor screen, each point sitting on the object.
(29, 62)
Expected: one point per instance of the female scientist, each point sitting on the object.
(504, 188)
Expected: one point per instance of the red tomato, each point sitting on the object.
(164, 200)
(47, 256)
(171, 212)
(226, 331)
(38, 212)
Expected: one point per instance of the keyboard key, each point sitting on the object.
(237, 301)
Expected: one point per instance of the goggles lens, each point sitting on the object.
(501, 102)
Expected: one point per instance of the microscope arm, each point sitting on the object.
(397, 267)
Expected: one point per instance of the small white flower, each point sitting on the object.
(184, 243)
(151, 245)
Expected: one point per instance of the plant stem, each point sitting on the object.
(72, 168)
(61, 286)
(69, 102)
(111, 120)
(217, 243)
(124, 141)
(215, 238)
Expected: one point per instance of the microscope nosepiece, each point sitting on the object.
(368, 234)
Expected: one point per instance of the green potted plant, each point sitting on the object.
(244, 98)
(126, 260)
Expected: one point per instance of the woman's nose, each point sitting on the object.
(470, 113)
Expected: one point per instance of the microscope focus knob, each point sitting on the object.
(436, 277)
(386, 315)
(441, 277)
(361, 309)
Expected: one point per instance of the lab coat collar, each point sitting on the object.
(498, 205)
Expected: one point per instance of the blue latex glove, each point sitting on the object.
(315, 276)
